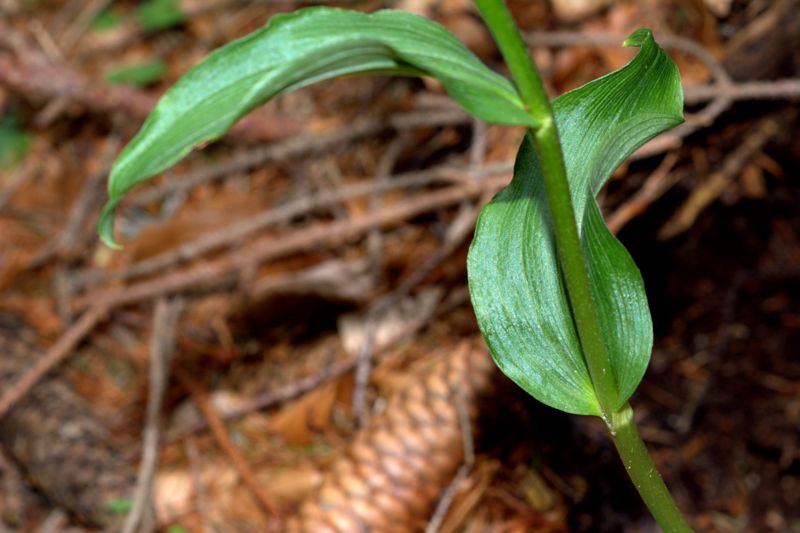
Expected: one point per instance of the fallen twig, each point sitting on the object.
(162, 344)
(57, 353)
(66, 244)
(18, 178)
(703, 195)
(26, 76)
(223, 272)
(468, 445)
(271, 398)
(297, 146)
(240, 230)
(200, 497)
(200, 397)
(654, 186)
(80, 23)
(363, 370)
(788, 89)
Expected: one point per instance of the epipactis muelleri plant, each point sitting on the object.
(558, 299)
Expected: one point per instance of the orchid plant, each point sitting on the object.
(559, 300)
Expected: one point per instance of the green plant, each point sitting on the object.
(156, 15)
(14, 141)
(138, 74)
(558, 299)
(106, 20)
(120, 506)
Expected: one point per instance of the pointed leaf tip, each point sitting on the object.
(105, 226)
(639, 37)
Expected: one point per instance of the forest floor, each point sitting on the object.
(286, 337)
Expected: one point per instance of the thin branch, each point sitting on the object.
(468, 444)
(18, 177)
(273, 398)
(200, 497)
(200, 397)
(654, 187)
(334, 370)
(73, 33)
(54, 356)
(223, 272)
(296, 146)
(56, 521)
(65, 244)
(718, 182)
(363, 370)
(23, 73)
(272, 217)
(162, 345)
(788, 89)
(675, 42)
(457, 232)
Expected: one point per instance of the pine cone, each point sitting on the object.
(392, 475)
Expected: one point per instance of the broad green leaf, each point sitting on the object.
(139, 74)
(515, 284)
(292, 51)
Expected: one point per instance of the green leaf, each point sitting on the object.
(139, 75)
(106, 20)
(156, 15)
(515, 284)
(119, 506)
(14, 141)
(293, 51)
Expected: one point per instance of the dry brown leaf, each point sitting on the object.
(467, 500)
(299, 421)
(175, 491)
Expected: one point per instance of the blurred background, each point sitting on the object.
(286, 342)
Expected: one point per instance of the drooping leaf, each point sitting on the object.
(292, 51)
(139, 74)
(515, 284)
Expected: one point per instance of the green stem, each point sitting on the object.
(643, 472)
(575, 270)
(565, 228)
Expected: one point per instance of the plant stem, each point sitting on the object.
(574, 268)
(548, 150)
(643, 472)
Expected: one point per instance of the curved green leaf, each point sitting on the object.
(292, 51)
(516, 288)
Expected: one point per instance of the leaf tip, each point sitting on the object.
(639, 37)
(105, 226)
